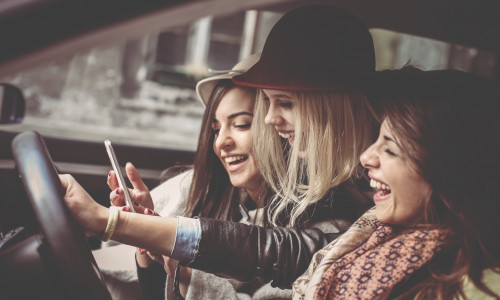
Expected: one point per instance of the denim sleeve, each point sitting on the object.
(187, 239)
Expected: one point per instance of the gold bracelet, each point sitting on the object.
(114, 213)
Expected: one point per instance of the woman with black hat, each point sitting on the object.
(322, 76)
(313, 68)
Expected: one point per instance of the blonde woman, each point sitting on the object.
(327, 131)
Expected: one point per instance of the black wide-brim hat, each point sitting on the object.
(314, 48)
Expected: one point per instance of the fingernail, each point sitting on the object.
(142, 251)
(126, 208)
(117, 191)
(109, 173)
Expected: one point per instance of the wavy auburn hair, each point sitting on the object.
(448, 124)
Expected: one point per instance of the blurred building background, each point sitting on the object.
(142, 91)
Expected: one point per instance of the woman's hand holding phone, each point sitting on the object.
(140, 196)
(142, 202)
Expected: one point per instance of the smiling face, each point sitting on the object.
(280, 113)
(400, 191)
(233, 138)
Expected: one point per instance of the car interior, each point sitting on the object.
(74, 73)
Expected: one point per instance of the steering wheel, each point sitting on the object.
(61, 245)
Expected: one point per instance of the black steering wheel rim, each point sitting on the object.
(73, 261)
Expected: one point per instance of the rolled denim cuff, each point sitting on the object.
(187, 239)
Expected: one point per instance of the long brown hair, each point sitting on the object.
(448, 122)
(211, 193)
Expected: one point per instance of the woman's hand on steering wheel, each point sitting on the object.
(91, 216)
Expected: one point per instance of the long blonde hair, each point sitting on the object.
(332, 129)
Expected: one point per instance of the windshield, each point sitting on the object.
(142, 91)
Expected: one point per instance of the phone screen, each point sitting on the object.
(118, 172)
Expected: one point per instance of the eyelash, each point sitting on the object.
(244, 126)
(282, 104)
(388, 151)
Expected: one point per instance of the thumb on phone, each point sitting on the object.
(140, 193)
(135, 178)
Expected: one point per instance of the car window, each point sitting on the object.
(142, 91)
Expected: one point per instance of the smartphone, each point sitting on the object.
(118, 172)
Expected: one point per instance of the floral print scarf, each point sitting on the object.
(372, 269)
(305, 286)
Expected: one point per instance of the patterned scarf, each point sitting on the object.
(305, 286)
(372, 270)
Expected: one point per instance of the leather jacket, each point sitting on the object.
(245, 252)
(278, 255)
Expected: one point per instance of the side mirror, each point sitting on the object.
(12, 104)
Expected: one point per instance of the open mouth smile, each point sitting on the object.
(382, 189)
(286, 135)
(233, 160)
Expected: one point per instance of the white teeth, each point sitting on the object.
(378, 185)
(231, 159)
(286, 135)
